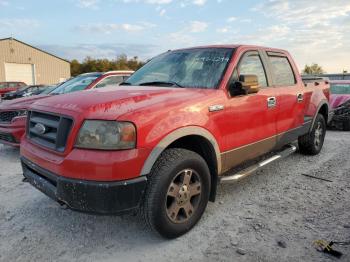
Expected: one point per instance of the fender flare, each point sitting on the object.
(322, 103)
(175, 135)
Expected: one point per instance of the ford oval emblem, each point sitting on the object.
(40, 129)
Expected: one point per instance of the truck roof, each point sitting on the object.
(236, 46)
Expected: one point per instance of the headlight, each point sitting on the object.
(107, 135)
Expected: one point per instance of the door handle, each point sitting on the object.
(300, 97)
(271, 102)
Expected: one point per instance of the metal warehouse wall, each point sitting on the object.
(48, 68)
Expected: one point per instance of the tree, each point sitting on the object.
(75, 67)
(314, 69)
(90, 64)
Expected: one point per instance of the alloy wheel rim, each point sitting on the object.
(183, 196)
(318, 135)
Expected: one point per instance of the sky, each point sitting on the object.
(312, 31)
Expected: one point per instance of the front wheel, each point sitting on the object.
(177, 192)
(312, 143)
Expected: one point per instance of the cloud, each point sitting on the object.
(152, 2)
(197, 26)
(180, 39)
(223, 30)
(162, 12)
(199, 2)
(11, 25)
(185, 3)
(231, 19)
(91, 4)
(304, 12)
(185, 36)
(312, 33)
(109, 28)
(4, 3)
(109, 51)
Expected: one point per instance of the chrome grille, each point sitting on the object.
(7, 116)
(49, 130)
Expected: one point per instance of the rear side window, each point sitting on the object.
(282, 71)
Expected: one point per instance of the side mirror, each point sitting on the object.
(250, 83)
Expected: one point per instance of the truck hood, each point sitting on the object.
(20, 103)
(110, 103)
(338, 100)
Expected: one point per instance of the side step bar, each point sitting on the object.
(250, 170)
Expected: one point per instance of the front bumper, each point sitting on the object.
(86, 196)
(11, 133)
(8, 139)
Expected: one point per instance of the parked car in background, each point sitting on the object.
(23, 92)
(340, 103)
(13, 113)
(163, 141)
(45, 90)
(6, 87)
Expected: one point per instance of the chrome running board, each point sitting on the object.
(250, 170)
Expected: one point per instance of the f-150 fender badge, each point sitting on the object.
(215, 108)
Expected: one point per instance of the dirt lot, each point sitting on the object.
(277, 204)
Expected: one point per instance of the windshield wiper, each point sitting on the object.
(125, 84)
(160, 83)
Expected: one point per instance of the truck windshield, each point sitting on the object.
(75, 84)
(190, 68)
(343, 89)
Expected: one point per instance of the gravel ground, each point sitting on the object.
(274, 215)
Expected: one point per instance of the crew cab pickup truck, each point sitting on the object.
(13, 114)
(162, 141)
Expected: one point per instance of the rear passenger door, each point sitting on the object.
(290, 96)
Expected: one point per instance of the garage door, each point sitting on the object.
(20, 72)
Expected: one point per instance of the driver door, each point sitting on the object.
(251, 118)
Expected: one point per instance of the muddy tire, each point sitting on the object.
(312, 143)
(177, 192)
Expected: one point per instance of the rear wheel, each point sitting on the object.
(312, 143)
(177, 192)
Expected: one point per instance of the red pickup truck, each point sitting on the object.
(13, 114)
(6, 87)
(163, 141)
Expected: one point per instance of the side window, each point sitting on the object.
(251, 64)
(282, 71)
(112, 80)
(12, 85)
